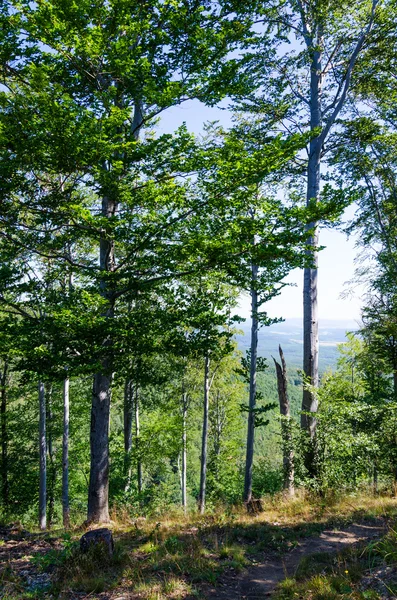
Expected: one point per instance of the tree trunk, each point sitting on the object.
(184, 450)
(375, 479)
(42, 459)
(65, 456)
(204, 440)
(50, 450)
(128, 420)
(4, 437)
(137, 442)
(310, 313)
(252, 389)
(286, 434)
(98, 492)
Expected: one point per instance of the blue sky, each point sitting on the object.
(336, 261)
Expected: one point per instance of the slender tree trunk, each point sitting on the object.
(128, 420)
(4, 437)
(137, 442)
(310, 293)
(252, 389)
(42, 458)
(375, 479)
(65, 456)
(286, 434)
(204, 439)
(50, 450)
(184, 451)
(310, 312)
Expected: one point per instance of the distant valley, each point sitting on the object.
(290, 335)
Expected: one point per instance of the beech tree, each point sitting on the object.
(94, 76)
(306, 59)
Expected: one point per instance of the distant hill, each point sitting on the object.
(290, 335)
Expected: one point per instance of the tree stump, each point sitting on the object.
(254, 506)
(95, 537)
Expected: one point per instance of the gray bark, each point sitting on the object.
(50, 450)
(184, 450)
(65, 456)
(286, 434)
(204, 439)
(98, 492)
(310, 311)
(42, 458)
(4, 437)
(128, 420)
(314, 42)
(137, 442)
(252, 389)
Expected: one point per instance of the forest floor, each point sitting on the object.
(301, 548)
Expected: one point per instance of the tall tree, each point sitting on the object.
(100, 73)
(306, 60)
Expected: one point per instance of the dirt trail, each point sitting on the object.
(260, 580)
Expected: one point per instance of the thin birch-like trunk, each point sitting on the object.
(204, 439)
(128, 420)
(184, 451)
(286, 434)
(137, 442)
(4, 437)
(65, 456)
(42, 458)
(310, 310)
(252, 389)
(50, 450)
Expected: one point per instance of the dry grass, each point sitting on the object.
(173, 556)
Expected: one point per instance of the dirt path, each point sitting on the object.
(260, 580)
(17, 547)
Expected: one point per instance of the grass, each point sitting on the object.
(175, 557)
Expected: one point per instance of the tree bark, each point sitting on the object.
(184, 450)
(98, 492)
(286, 434)
(310, 311)
(128, 420)
(4, 437)
(252, 389)
(50, 450)
(137, 442)
(204, 439)
(65, 456)
(42, 459)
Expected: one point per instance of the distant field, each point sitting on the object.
(290, 335)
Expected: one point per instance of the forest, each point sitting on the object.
(127, 401)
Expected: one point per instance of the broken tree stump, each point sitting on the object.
(97, 537)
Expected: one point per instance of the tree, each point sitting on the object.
(99, 74)
(311, 83)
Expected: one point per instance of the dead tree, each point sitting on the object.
(286, 433)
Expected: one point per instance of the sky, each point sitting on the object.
(336, 261)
